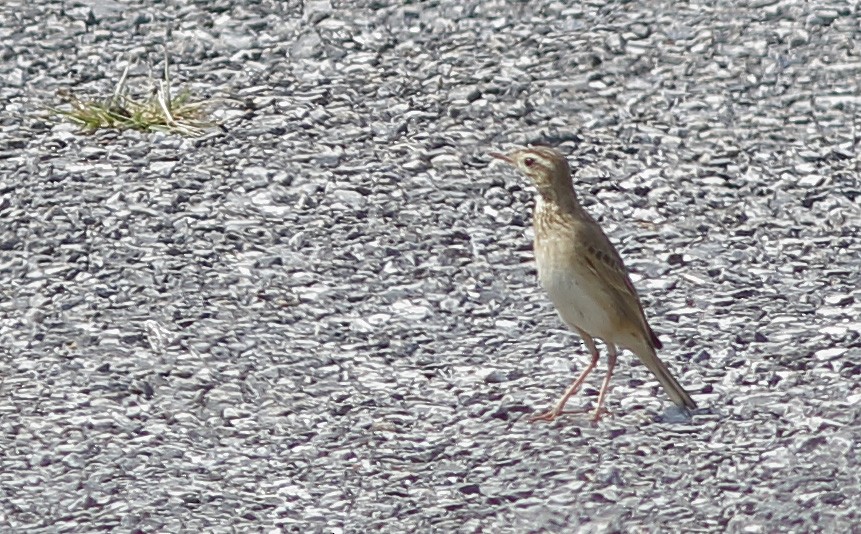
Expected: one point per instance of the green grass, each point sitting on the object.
(159, 111)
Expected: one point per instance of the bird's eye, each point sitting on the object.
(529, 162)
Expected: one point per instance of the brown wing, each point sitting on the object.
(603, 257)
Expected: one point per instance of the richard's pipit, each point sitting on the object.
(585, 277)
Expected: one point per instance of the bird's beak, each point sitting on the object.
(503, 157)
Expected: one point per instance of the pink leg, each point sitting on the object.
(605, 387)
(572, 389)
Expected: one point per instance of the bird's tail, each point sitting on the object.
(675, 390)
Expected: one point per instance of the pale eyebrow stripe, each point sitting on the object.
(544, 153)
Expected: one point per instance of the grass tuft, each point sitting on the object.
(159, 111)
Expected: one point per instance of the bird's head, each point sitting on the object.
(546, 166)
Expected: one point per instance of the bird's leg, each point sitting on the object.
(605, 387)
(572, 389)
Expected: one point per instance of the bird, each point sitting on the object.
(585, 278)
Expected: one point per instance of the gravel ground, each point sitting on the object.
(325, 318)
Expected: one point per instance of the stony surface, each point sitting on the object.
(325, 318)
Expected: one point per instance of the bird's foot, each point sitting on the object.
(553, 414)
(601, 412)
(546, 416)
